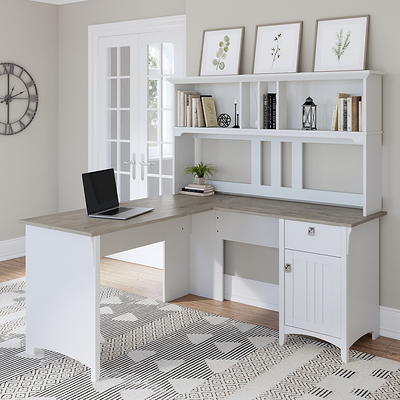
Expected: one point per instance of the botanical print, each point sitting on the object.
(221, 53)
(276, 49)
(341, 44)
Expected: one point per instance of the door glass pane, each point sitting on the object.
(112, 93)
(166, 186)
(124, 192)
(125, 125)
(167, 94)
(125, 93)
(112, 61)
(125, 156)
(152, 96)
(125, 61)
(152, 126)
(153, 159)
(153, 57)
(167, 58)
(153, 186)
(112, 155)
(112, 125)
(167, 132)
(167, 159)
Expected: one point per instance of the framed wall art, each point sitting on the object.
(221, 51)
(341, 44)
(277, 48)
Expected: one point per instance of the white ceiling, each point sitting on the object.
(58, 2)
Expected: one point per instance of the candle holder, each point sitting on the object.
(309, 115)
(236, 116)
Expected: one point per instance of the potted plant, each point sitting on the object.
(200, 171)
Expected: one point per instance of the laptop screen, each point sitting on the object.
(100, 190)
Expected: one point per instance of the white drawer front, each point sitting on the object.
(314, 238)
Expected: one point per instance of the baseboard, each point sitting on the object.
(266, 295)
(390, 322)
(12, 248)
(251, 292)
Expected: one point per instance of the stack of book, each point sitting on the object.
(198, 190)
(195, 110)
(347, 113)
(269, 111)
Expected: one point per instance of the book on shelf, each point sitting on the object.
(190, 109)
(269, 111)
(346, 113)
(200, 186)
(337, 111)
(200, 114)
(209, 110)
(194, 193)
(198, 189)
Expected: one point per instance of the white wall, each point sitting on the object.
(29, 160)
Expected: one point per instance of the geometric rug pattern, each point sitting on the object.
(157, 351)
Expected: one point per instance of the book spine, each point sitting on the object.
(349, 115)
(360, 124)
(344, 114)
(273, 112)
(265, 111)
(269, 112)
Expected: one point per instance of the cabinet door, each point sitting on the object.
(313, 292)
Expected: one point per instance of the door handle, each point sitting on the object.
(288, 267)
(147, 164)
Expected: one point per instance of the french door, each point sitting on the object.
(131, 103)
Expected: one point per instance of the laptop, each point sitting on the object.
(102, 198)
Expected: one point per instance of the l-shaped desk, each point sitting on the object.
(328, 265)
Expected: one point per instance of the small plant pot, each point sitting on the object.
(199, 181)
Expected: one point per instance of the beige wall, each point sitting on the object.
(29, 160)
(73, 99)
(73, 22)
(382, 56)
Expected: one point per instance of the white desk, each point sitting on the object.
(329, 265)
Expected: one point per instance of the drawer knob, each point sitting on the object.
(311, 231)
(288, 267)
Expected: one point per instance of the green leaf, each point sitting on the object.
(221, 65)
(226, 49)
(226, 38)
(220, 52)
(215, 61)
(221, 44)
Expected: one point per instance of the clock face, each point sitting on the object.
(18, 99)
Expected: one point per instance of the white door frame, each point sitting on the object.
(95, 33)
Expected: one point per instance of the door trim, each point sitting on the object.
(95, 33)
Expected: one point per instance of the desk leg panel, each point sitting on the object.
(62, 295)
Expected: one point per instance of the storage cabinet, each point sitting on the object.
(329, 281)
(313, 288)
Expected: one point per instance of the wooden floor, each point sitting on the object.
(147, 281)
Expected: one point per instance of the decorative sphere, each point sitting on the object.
(224, 120)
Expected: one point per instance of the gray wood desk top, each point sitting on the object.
(173, 206)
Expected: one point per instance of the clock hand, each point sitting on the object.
(15, 95)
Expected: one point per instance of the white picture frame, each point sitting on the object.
(277, 48)
(341, 44)
(221, 51)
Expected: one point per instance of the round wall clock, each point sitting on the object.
(18, 99)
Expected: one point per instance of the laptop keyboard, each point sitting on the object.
(115, 211)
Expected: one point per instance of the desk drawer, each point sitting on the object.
(314, 238)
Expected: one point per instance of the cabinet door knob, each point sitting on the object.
(288, 267)
(311, 230)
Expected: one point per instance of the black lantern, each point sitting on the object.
(309, 115)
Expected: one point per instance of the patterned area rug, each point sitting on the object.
(152, 350)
